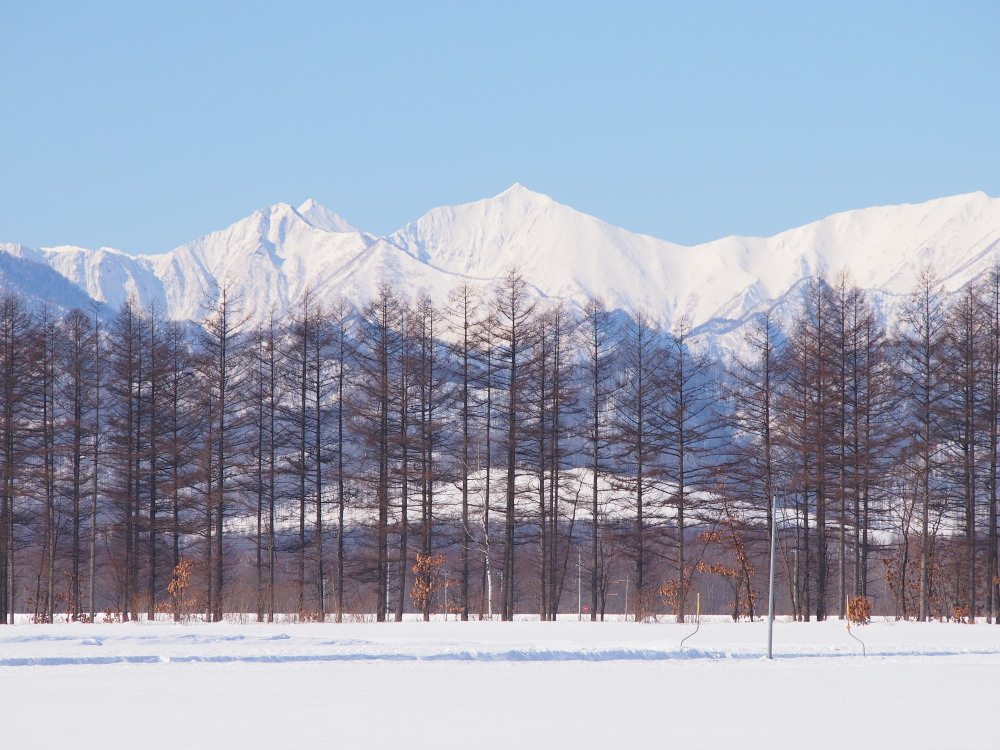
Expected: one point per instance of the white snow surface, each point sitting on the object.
(496, 685)
(268, 260)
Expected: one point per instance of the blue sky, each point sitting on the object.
(142, 125)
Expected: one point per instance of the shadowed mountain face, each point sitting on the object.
(270, 259)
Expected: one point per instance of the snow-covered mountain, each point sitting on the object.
(269, 259)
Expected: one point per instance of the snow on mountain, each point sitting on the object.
(563, 253)
(883, 248)
(323, 218)
(269, 259)
(27, 271)
(106, 275)
(716, 285)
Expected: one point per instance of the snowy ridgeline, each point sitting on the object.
(271, 258)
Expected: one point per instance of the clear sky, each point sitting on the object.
(143, 125)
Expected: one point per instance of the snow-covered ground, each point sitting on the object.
(491, 684)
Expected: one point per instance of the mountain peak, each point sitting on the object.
(323, 218)
(519, 192)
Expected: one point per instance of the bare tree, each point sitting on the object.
(965, 407)
(47, 347)
(550, 401)
(808, 427)
(464, 323)
(690, 430)
(178, 428)
(78, 393)
(872, 434)
(267, 386)
(17, 379)
(922, 370)
(861, 395)
(596, 336)
(340, 331)
(311, 376)
(992, 418)
(753, 385)
(376, 408)
(223, 368)
(511, 318)
(639, 440)
(430, 394)
(126, 394)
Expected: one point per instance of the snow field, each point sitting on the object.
(491, 684)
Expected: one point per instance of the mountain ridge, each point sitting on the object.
(276, 253)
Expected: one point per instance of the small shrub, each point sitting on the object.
(859, 610)
(179, 589)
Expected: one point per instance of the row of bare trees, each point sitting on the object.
(881, 447)
(496, 455)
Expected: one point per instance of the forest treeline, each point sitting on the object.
(497, 455)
